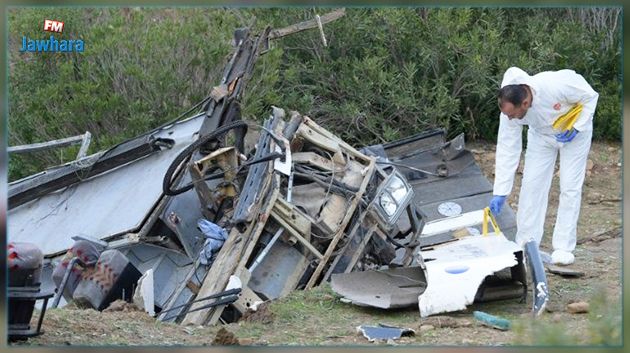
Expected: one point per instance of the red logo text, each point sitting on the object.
(53, 26)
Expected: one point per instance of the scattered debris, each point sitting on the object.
(74, 266)
(24, 265)
(384, 332)
(225, 228)
(598, 201)
(215, 237)
(387, 289)
(564, 271)
(113, 277)
(601, 236)
(143, 297)
(578, 307)
(492, 321)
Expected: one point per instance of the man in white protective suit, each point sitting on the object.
(542, 102)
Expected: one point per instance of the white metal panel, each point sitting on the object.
(107, 204)
(456, 270)
(451, 223)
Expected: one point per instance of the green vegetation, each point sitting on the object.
(387, 73)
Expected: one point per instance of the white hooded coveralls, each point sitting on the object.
(554, 93)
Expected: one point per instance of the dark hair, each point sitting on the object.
(514, 94)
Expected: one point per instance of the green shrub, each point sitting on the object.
(139, 68)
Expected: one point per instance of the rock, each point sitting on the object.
(594, 197)
(589, 165)
(225, 338)
(425, 328)
(445, 321)
(465, 323)
(599, 260)
(117, 305)
(121, 305)
(246, 341)
(564, 271)
(556, 317)
(578, 308)
(556, 307)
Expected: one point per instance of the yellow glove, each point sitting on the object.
(565, 121)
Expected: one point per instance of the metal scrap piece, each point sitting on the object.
(392, 288)
(563, 271)
(540, 288)
(384, 332)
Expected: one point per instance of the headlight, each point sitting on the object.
(388, 204)
(393, 197)
(397, 189)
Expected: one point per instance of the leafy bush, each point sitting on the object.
(136, 72)
(392, 72)
(386, 73)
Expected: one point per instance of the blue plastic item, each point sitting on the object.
(492, 321)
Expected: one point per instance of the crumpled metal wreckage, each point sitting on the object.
(227, 214)
(334, 214)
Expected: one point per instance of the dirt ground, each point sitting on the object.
(318, 317)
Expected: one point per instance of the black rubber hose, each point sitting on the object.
(188, 151)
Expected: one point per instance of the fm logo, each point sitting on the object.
(53, 26)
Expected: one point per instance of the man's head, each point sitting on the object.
(515, 100)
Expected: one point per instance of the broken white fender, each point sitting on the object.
(144, 295)
(456, 270)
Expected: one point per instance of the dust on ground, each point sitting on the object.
(318, 317)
